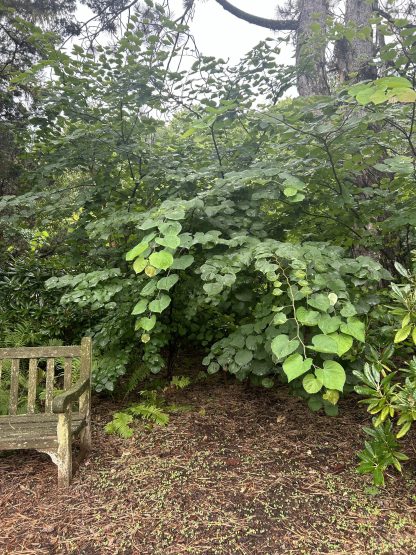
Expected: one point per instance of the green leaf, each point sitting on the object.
(171, 241)
(330, 410)
(140, 307)
(146, 323)
(332, 375)
(182, 262)
(310, 384)
(319, 301)
(324, 344)
(328, 324)
(176, 215)
(393, 82)
(307, 317)
(167, 282)
(261, 367)
(279, 318)
(404, 95)
(213, 368)
(290, 192)
(162, 260)
(159, 305)
(344, 342)
(315, 403)
(213, 289)
(348, 310)
(402, 334)
(295, 366)
(354, 327)
(136, 251)
(148, 289)
(139, 264)
(243, 357)
(148, 224)
(267, 382)
(283, 347)
(170, 228)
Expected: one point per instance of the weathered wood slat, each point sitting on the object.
(1, 366)
(29, 418)
(72, 351)
(14, 386)
(47, 439)
(85, 398)
(67, 373)
(50, 377)
(40, 431)
(32, 383)
(40, 444)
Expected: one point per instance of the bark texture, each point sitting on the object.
(355, 58)
(310, 47)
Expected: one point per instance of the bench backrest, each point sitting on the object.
(21, 364)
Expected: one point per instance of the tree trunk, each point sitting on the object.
(355, 57)
(310, 47)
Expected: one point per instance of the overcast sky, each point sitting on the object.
(220, 34)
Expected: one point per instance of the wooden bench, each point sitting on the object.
(51, 431)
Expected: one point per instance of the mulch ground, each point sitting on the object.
(246, 472)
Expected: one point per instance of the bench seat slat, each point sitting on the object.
(28, 418)
(16, 435)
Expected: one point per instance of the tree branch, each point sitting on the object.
(274, 24)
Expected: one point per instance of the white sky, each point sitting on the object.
(220, 34)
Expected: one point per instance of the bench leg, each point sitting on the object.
(85, 441)
(64, 455)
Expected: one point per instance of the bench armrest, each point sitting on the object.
(65, 399)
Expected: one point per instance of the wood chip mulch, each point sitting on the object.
(245, 472)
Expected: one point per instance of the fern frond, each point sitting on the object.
(138, 375)
(150, 412)
(180, 381)
(120, 425)
(151, 397)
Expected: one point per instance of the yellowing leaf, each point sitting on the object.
(150, 271)
(139, 264)
(402, 334)
(332, 396)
